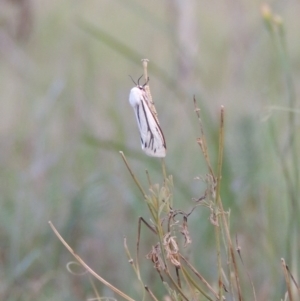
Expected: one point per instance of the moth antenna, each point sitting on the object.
(132, 80)
(139, 79)
(145, 84)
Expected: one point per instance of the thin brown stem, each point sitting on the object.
(132, 174)
(92, 272)
(287, 279)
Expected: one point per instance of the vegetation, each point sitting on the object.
(65, 118)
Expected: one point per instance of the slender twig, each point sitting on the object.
(238, 248)
(176, 285)
(141, 219)
(220, 204)
(150, 293)
(191, 280)
(199, 276)
(163, 165)
(293, 279)
(135, 267)
(148, 178)
(147, 89)
(132, 174)
(94, 287)
(145, 65)
(113, 288)
(218, 200)
(202, 140)
(287, 279)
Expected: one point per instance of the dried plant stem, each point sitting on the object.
(160, 237)
(218, 201)
(141, 219)
(94, 287)
(148, 178)
(287, 279)
(195, 284)
(145, 66)
(163, 165)
(199, 276)
(150, 293)
(132, 174)
(147, 88)
(220, 282)
(220, 204)
(202, 141)
(159, 232)
(176, 286)
(135, 267)
(92, 272)
(249, 277)
(220, 159)
(137, 183)
(293, 279)
(192, 289)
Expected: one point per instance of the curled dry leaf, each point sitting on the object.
(172, 249)
(155, 257)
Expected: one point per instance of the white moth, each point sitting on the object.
(152, 138)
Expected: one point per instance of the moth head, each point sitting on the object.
(141, 87)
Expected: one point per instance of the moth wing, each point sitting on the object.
(152, 138)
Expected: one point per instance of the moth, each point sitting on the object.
(152, 138)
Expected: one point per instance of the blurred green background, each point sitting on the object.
(65, 116)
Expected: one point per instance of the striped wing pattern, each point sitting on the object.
(152, 137)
